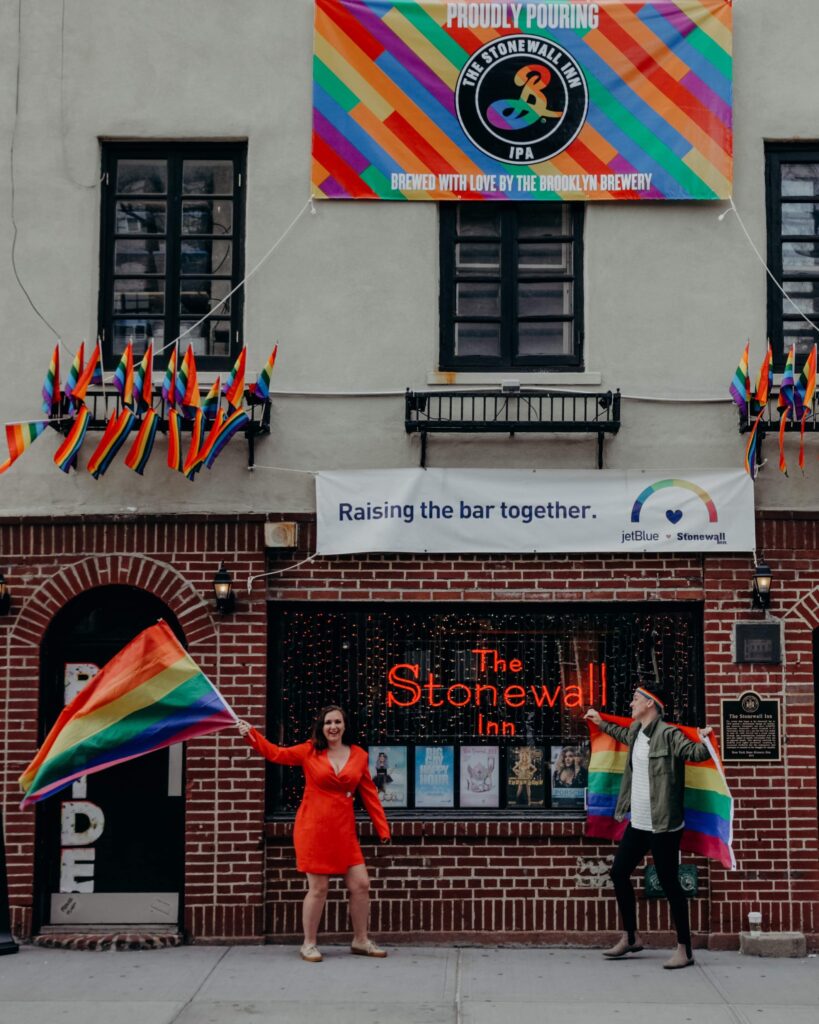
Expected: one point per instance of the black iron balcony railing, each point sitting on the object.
(522, 410)
(101, 402)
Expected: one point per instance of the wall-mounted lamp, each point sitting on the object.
(223, 591)
(5, 596)
(762, 585)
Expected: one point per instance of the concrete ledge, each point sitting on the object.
(773, 944)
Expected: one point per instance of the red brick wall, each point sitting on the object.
(46, 564)
(484, 880)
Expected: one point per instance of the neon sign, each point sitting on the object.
(405, 689)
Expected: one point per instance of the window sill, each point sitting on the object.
(491, 378)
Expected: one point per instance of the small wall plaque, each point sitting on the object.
(750, 729)
(758, 643)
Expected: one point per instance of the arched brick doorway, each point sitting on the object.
(110, 848)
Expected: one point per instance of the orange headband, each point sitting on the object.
(650, 696)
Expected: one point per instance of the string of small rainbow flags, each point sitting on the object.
(795, 401)
(211, 429)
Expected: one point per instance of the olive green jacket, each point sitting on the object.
(668, 750)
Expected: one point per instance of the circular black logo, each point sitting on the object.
(521, 99)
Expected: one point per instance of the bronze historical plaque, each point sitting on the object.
(750, 729)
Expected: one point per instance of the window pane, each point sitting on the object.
(805, 296)
(207, 217)
(139, 256)
(545, 339)
(544, 298)
(198, 295)
(477, 258)
(555, 256)
(206, 256)
(207, 177)
(477, 219)
(143, 177)
(140, 332)
(140, 217)
(477, 340)
(212, 338)
(800, 219)
(799, 333)
(536, 220)
(800, 256)
(800, 179)
(477, 299)
(139, 295)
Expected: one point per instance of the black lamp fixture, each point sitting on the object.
(5, 596)
(223, 590)
(762, 585)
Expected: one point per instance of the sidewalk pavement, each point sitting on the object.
(415, 985)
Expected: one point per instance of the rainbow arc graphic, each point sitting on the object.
(685, 485)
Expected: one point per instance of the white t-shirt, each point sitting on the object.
(640, 789)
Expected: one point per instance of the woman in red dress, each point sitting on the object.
(324, 834)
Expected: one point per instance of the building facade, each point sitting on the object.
(160, 176)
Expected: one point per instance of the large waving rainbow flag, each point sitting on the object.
(709, 806)
(149, 695)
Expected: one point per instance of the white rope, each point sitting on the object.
(761, 259)
(277, 572)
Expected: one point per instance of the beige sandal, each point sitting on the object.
(310, 953)
(368, 949)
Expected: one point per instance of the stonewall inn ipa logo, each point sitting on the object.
(521, 99)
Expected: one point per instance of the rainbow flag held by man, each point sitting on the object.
(149, 695)
(709, 806)
(19, 437)
(51, 384)
(66, 454)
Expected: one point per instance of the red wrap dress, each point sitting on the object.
(324, 834)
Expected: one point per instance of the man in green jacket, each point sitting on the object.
(652, 793)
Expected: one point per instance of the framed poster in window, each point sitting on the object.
(570, 774)
(480, 776)
(434, 776)
(525, 781)
(388, 767)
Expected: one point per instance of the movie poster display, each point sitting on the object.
(434, 776)
(552, 100)
(480, 776)
(388, 767)
(525, 782)
(570, 774)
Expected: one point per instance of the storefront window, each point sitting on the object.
(473, 708)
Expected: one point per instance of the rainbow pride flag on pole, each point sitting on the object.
(709, 806)
(137, 457)
(234, 386)
(51, 384)
(67, 453)
(117, 430)
(20, 436)
(740, 388)
(149, 695)
(261, 389)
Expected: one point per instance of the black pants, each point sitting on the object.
(665, 849)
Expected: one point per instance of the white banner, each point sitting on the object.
(467, 510)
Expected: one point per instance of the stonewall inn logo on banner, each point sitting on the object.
(555, 100)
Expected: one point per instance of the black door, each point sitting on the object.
(110, 848)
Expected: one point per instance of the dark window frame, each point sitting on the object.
(175, 153)
(779, 310)
(509, 278)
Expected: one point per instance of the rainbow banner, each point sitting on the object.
(534, 101)
(149, 695)
(709, 806)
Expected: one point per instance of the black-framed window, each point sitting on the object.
(172, 247)
(792, 180)
(511, 286)
(484, 699)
